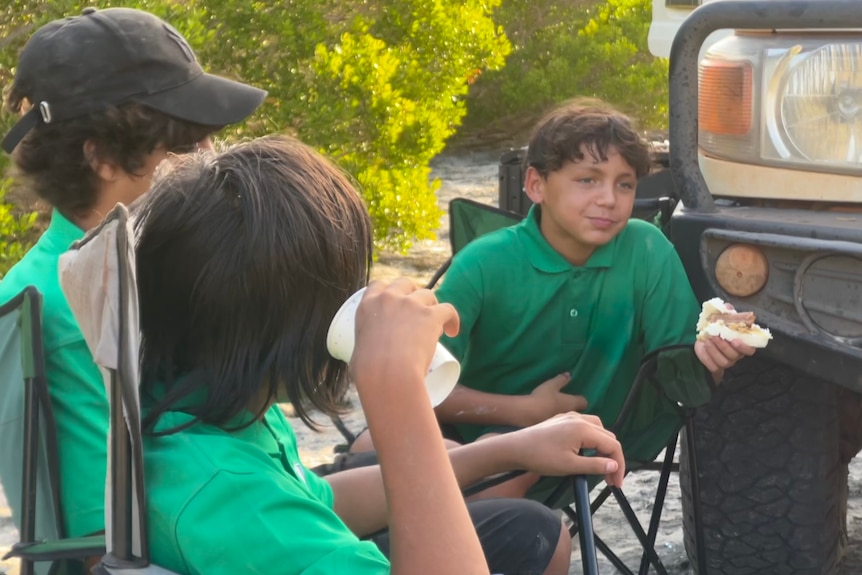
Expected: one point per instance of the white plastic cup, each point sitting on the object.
(443, 372)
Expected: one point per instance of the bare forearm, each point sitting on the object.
(466, 405)
(359, 499)
(421, 491)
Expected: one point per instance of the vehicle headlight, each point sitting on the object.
(784, 99)
(819, 106)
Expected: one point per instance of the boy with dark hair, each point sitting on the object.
(576, 294)
(105, 96)
(243, 259)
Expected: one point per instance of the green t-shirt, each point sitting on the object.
(228, 502)
(528, 315)
(75, 384)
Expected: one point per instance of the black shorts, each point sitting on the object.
(518, 536)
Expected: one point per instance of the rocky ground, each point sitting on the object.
(475, 175)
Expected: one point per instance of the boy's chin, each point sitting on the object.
(598, 238)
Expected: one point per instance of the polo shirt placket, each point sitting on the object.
(527, 314)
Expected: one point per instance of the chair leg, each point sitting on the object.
(585, 526)
(634, 523)
(697, 512)
(600, 544)
(29, 471)
(582, 522)
(597, 502)
(658, 504)
(612, 557)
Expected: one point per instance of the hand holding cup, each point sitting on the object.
(400, 318)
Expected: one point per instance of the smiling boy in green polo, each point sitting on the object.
(558, 311)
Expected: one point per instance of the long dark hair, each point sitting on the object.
(243, 258)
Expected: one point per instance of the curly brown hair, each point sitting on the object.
(50, 160)
(562, 135)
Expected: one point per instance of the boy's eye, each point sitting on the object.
(585, 180)
(627, 185)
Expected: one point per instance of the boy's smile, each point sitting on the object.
(584, 204)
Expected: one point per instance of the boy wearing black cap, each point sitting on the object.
(105, 96)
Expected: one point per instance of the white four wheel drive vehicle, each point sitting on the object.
(766, 155)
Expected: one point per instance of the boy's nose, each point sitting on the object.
(606, 197)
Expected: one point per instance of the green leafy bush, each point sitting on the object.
(378, 85)
(563, 49)
(16, 230)
(381, 85)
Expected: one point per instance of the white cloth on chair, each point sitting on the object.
(97, 276)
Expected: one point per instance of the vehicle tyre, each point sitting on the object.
(773, 487)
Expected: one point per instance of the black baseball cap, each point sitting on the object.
(83, 64)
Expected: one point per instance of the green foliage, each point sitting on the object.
(401, 79)
(378, 85)
(617, 34)
(16, 230)
(563, 49)
(381, 85)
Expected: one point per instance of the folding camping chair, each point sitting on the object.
(669, 384)
(97, 276)
(29, 467)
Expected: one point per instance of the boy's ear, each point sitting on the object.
(534, 185)
(105, 170)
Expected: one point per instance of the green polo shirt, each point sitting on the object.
(228, 502)
(528, 315)
(77, 392)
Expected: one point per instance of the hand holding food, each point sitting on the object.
(718, 318)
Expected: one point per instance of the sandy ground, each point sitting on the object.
(609, 522)
(475, 175)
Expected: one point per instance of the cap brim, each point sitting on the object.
(208, 100)
(26, 123)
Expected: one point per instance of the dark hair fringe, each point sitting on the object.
(243, 259)
(562, 134)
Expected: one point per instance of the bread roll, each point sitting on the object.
(718, 318)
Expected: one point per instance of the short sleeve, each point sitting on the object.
(669, 312)
(282, 428)
(669, 319)
(265, 523)
(462, 287)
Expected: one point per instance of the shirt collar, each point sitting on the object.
(546, 259)
(242, 426)
(62, 233)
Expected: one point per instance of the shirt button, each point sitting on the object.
(573, 312)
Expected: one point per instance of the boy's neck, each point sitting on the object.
(575, 253)
(108, 195)
(86, 219)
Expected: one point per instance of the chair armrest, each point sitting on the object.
(72, 548)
